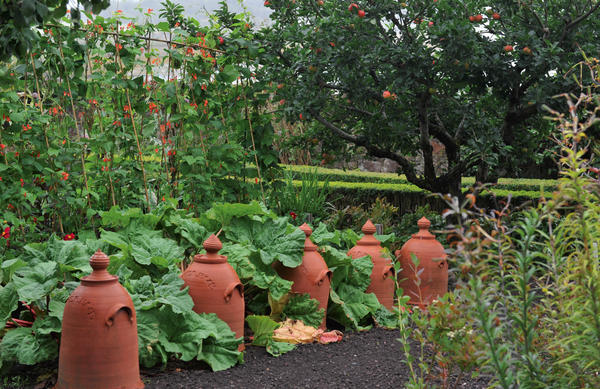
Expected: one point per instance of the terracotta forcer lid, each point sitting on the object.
(423, 233)
(368, 239)
(212, 245)
(308, 244)
(99, 263)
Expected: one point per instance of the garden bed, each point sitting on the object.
(362, 359)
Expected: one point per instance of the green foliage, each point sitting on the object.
(91, 120)
(529, 285)
(262, 327)
(302, 307)
(18, 20)
(147, 264)
(388, 82)
(301, 197)
(163, 333)
(262, 242)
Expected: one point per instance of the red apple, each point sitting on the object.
(508, 48)
(386, 94)
(471, 18)
(478, 18)
(496, 16)
(352, 6)
(526, 50)
(361, 13)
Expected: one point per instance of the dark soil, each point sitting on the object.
(366, 359)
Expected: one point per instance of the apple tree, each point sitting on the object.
(389, 77)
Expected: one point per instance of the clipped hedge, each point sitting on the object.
(512, 184)
(408, 197)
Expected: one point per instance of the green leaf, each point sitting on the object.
(262, 327)
(157, 250)
(302, 307)
(386, 319)
(33, 283)
(9, 301)
(238, 257)
(23, 346)
(148, 329)
(278, 348)
(224, 213)
(270, 239)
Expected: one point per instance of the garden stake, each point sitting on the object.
(37, 87)
(262, 191)
(98, 111)
(62, 57)
(137, 139)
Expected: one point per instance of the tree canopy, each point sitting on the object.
(391, 76)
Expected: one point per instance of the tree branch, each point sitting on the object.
(407, 167)
(569, 26)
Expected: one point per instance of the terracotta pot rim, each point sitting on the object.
(422, 237)
(90, 281)
(215, 258)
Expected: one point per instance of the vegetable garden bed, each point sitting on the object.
(362, 359)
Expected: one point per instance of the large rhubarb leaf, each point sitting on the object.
(168, 326)
(238, 256)
(70, 256)
(273, 239)
(24, 346)
(224, 213)
(9, 301)
(34, 283)
(302, 307)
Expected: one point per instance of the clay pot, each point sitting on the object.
(432, 269)
(99, 343)
(215, 287)
(382, 280)
(312, 276)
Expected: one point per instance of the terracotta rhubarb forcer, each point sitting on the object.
(99, 343)
(382, 280)
(312, 276)
(432, 265)
(215, 287)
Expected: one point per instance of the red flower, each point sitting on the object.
(70, 236)
(153, 108)
(6, 233)
(293, 215)
(2, 146)
(65, 176)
